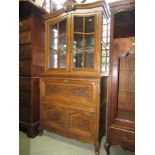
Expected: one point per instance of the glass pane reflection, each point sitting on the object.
(78, 41)
(62, 43)
(54, 35)
(77, 59)
(89, 24)
(89, 42)
(89, 60)
(78, 24)
(62, 59)
(53, 59)
(62, 27)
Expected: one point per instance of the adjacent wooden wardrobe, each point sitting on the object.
(31, 61)
(120, 125)
(72, 87)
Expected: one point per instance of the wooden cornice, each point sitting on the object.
(121, 5)
(75, 6)
(31, 3)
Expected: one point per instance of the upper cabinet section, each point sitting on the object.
(73, 38)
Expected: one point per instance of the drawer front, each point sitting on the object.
(53, 116)
(25, 67)
(25, 51)
(25, 98)
(25, 84)
(123, 138)
(69, 91)
(81, 123)
(25, 25)
(25, 37)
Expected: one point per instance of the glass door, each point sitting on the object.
(83, 42)
(58, 45)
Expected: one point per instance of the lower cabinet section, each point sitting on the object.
(72, 107)
(29, 105)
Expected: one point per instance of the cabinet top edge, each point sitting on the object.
(121, 5)
(75, 7)
(30, 3)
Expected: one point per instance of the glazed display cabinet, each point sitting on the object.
(73, 87)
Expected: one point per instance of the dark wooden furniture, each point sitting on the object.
(31, 61)
(73, 90)
(120, 125)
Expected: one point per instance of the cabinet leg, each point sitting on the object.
(30, 129)
(32, 132)
(97, 147)
(97, 153)
(107, 148)
(41, 130)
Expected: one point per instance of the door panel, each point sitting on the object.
(81, 122)
(54, 116)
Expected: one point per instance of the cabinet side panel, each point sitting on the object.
(38, 45)
(103, 102)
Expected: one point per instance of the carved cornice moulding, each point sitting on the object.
(72, 5)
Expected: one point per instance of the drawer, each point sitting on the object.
(124, 138)
(25, 37)
(25, 84)
(25, 67)
(25, 51)
(25, 25)
(70, 91)
(25, 98)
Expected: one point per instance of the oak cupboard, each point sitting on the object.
(120, 115)
(72, 87)
(31, 61)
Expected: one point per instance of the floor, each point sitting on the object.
(53, 144)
